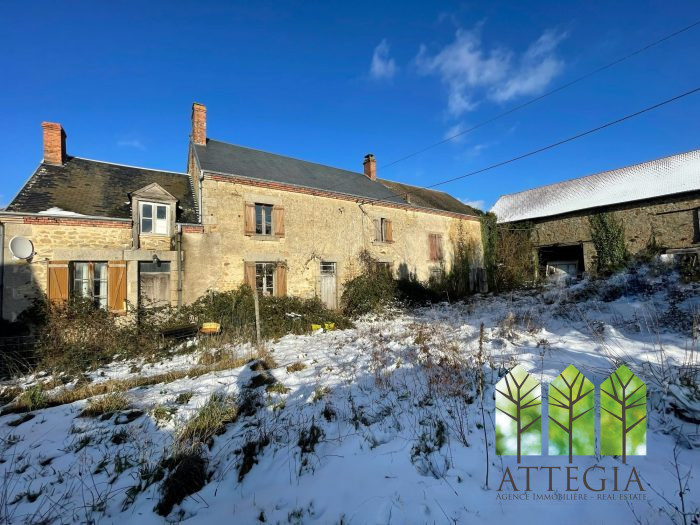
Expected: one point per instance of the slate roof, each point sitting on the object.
(657, 178)
(229, 159)
(100, 189)
(426, 198)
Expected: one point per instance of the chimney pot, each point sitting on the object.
(370, 166)
(54, 143)
(199, 124)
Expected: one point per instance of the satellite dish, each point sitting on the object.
(21, 247)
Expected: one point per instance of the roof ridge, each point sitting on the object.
(581, 177)
(127, 165)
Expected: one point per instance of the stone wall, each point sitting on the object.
(672, 221)
(317, 228)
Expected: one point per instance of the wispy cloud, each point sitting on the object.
(455, 131)
(383, 67)
(471, 72)
(479, 204)
(131, 143)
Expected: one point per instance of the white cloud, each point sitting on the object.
(455, 131)
(479, 204)
(131, 143)
(471, 72)
(383, 66)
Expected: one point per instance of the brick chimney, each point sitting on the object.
(370, 166)
(54, 143)
(199, 124)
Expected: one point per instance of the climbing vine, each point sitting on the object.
(608, 236)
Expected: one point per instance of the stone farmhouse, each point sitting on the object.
(656, 202)
(125, 236)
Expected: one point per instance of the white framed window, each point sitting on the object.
(154, 218)
(265, 277)
(89, 280)
(263, 219)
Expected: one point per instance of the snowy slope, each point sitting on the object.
(381, 395)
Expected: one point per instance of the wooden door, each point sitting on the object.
(329, 284)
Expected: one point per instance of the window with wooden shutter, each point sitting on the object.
(435, 246)
(278, 220)
(249, 218)
(116, 286)
(249, 271)
(281, 280)
(383, 230)
(58, 281)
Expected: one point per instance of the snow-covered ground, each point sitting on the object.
(382, 424)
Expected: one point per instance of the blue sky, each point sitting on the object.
(329, 82)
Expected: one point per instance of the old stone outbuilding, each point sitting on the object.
(656, 202)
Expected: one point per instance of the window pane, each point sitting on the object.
(100, 284)
(146, 225)
(147, 210)
(268, 220)
(81, 279)
(161, 226)
(258, 218)
(161, 212)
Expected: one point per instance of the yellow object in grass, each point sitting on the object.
(210, 328)
(315, 327)
(329, 326)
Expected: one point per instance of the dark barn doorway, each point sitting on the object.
(566, 258)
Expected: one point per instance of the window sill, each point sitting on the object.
(382, 243)
(156, 235)
(264, 237)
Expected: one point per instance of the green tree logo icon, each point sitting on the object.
(518, 410)
(623, 412)
(571, 404)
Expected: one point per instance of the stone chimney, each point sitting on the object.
(370, 166)
(199, 124)
(54, 143)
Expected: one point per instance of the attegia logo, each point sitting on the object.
(571, 415)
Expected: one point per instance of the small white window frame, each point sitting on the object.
(159, 226)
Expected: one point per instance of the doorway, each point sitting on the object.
(154, 284)
(329, 284)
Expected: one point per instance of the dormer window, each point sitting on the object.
(154, 218)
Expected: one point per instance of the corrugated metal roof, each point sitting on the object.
(657, 178)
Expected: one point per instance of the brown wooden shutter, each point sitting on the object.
(249, 271)
(281, 280)
(58, 281)
(116, 286)
(377, 229)
(249, 218)
(438, 241)
(389, 233)
(278, 220)
(432, 253)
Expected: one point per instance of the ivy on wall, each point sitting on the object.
(608, 236)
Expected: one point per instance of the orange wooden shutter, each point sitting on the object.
(249, 218)
(281, 280)
(389, 233)
(116, 286)
(278, 220)
(249, 271)
(58, 281)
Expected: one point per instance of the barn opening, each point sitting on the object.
(561, 258)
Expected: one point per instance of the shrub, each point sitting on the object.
(690, 268)
(509, 255)
(608, 236)
(371, 291)
(32, 399)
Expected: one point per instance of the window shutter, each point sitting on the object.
(438, 242)
(389, 233)
(249, 218)
(58, 281)
(116, 286)
(377, 229)
(431, 247)
(281, 280)
(278, 220)
(249, 270)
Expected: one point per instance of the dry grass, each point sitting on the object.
(25, 403)
(107, 404)
(210, 421)
(296, 367)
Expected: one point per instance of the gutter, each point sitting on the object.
(60, 216)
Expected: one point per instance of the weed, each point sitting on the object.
(296, 367)
(210, 421)
(105, 405)
(183, 398)
(277, 388)
(162, 413)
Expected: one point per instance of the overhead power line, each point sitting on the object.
(545, 95)
(549, 146)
